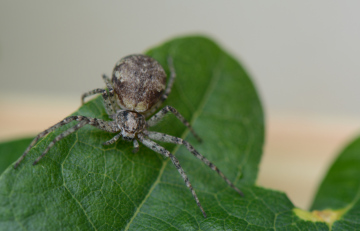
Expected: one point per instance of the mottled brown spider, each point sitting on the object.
(136, 90)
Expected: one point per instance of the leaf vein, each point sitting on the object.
(210, 88)
(63, 176)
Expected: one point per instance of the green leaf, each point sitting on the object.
(81, 184)
(340, 189)
(11, 150)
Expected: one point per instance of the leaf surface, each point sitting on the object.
(340, 189)
(11, 150)
(83, 185)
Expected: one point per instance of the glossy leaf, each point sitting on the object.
(84, 185)
(340, 190)
(11, 150)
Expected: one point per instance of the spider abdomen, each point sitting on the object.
(139, 82)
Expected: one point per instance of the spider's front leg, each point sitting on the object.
(109, 126)
(160, 115)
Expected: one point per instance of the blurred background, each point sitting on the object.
(303, 56)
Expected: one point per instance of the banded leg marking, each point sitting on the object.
(109, 126)
(112, 96)
(112, 140)
(175, 140)
(158, 116)
(59, 137)
(157, 148)
(108, 106)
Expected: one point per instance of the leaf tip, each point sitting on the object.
(327, 215)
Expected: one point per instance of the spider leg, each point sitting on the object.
(136, 146)
(109, 126)
(113, 140)
(112, 96)
(59, 137)
(175, 140)
(168, 88)
(90, 93)
(157, 148)
(158, 116)
(108, 105)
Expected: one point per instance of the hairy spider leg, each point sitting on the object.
(136, 146)
(109, 126)
(112, 96)
(108, 106)
(113, 140)
(158, 116)
(175, 140)
(167, 90)
(157, 148)
(59, 137)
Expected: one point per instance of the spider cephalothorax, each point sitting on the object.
(136, 90)
(130, 123)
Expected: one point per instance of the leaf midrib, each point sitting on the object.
(210, 88)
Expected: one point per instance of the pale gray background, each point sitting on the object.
(304, 56)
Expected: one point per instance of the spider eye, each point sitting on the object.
(128, 138)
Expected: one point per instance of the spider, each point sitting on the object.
(137, 89)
